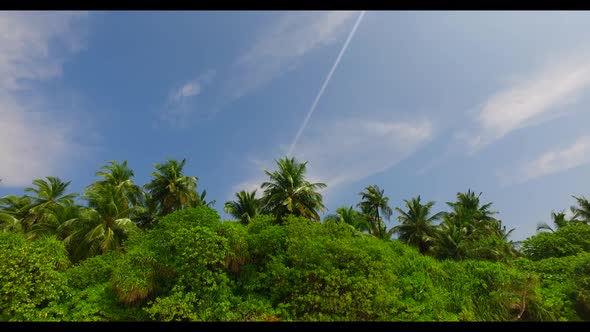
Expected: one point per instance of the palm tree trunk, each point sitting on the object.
(378, 224)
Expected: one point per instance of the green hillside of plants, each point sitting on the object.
(122, 252)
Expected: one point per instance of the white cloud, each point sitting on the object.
(33, 47)
(348, 150)
(25, 40)
(32, 143)
(278, 49)
(180, 99)
(190, 89)
(554, 161)
(530, 100)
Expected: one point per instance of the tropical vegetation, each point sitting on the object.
(120, 251)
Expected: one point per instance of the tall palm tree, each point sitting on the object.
(170, 188)
(374, 200)
(470, 201)
(468, 212)
(416, 227)
(245, 207)
(120, 175)
(288, 192)
(47, 195)
(102, 226)
(471, 231)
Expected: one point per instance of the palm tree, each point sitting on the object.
(53, 219)
(203, 202)
(559, 221)
(170, 188)
(582, 211)
(245, 207)
(120, 175)
(450, 239)
(373, 201)
(288, 192)
(469, 201)
(146, 213)
(16, 206)
(416, 224)
(509, 247)
(8, 223)
(13, 210)
(48, 194)
(350, 216)
(471, 231)
(468, 212)
(580, 214)
(102, 226)
(51, 191)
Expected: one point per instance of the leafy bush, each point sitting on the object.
(177, 270)
(562, 286)
(566, 241)
(192, 267)
(313, 271)
(31, 281)
(92, 271)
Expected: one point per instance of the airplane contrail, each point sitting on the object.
(321, 92)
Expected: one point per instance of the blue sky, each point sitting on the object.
(427, 103)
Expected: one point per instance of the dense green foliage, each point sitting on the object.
(32, 279)
(566, 241)
(164, 254)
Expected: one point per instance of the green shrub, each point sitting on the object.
(31, 282)
(568, 240)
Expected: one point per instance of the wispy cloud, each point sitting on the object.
(276, 50)
(530, 100)
(25, 39)
(33, 47)
(351, 149)
(552, 162)
(279, 48)
(180, 102)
